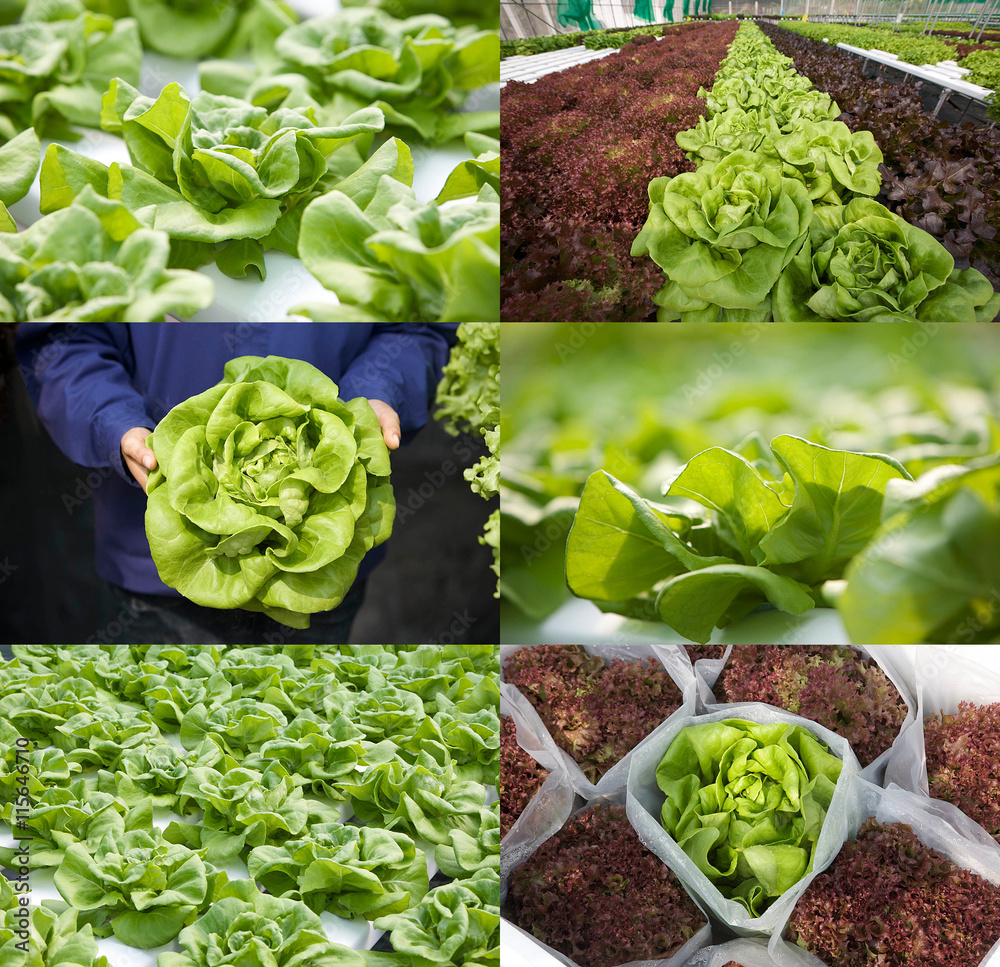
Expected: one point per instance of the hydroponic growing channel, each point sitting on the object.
(828, 194)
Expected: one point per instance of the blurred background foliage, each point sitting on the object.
(640, 399)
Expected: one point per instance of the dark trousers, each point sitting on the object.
(145, 619)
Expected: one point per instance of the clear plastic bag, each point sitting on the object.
(644, 801)
(708, 671)
(895, 805)
(671, 657)
(943, 678)
(696, 943)
(747, 953)
(544, 815)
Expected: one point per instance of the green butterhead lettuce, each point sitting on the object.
(746, 802)
(929, 574)
(350, 871)
(772, 531)
(269, 491)
(417, 70)
(247, 928)
(198, 28)
(52, 75)
(390, 258)
(457, 11)
(147, 887)
(722, 235)
(19, 159)
(94, 262)
(831, 161)
(212, 169)
(862, 263)
(53, 938)
(455, 925)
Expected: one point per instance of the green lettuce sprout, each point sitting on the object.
(268, 492)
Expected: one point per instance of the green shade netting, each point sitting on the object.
(580, 12)
(643, 9)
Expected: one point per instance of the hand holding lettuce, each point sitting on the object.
(269, 491)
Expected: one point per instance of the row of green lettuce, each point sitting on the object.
(266, 157)
(778, 222)
(983, 64)
(273, 739)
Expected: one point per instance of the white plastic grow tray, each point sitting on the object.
(288, 282)
(944, 75)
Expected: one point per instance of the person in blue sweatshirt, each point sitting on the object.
(101, 388)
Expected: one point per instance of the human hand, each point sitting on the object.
(138, 457)
(388, 419)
